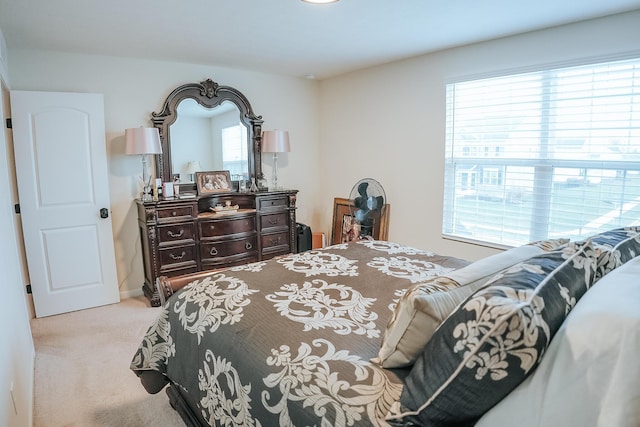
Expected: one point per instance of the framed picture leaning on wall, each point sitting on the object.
(346, 229)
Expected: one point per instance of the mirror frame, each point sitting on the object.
(209, 94)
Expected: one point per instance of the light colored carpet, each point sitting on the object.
(82, 369)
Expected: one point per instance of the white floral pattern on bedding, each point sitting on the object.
(515, 340)
(393, 248)
(157, 345)
(399, 293)
(255, 267)
(414, 270)
(226, 341)
(225, 399)
(219, 299)
(312, 380)
(314, 263)
(318, 304)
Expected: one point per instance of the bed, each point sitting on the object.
(328, 337)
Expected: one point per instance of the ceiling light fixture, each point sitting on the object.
(320, 1)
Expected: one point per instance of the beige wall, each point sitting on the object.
(133, 89)
(388, 122)
(16, 352)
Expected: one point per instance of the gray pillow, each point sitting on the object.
(615, 247)
(494, 339)
(425, 305)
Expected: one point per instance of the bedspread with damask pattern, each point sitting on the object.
(287, 341)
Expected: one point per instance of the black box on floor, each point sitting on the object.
(303, 237)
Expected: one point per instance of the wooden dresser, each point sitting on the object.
(181, 236)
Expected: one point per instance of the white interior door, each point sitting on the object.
(62, 176)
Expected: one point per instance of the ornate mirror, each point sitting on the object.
(212, 125)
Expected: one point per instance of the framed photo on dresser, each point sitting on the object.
(213, 182)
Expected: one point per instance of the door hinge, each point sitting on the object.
(28, 289)
(16, 208)
(9, 124)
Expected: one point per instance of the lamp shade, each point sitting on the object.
(275, 141)
(142, 140)
(193, 166)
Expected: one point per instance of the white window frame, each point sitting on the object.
(463, 158)
(235, 151)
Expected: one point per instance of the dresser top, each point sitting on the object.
(222, 196)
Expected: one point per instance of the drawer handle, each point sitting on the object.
(177, 257)
(174, 213)
(212, 227)
(213, 251)
(274, 221)
(248, 246)
(174, 235)
(275, 241)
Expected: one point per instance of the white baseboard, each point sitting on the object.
(131, 294)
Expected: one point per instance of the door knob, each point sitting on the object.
(104, 213)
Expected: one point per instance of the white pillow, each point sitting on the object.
(425, 306)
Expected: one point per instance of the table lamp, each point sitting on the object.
(193, 167)
(143, 141)
(275, 141)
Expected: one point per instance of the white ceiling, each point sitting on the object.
(287, 37)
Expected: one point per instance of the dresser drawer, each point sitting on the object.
(275, 240)
(227, 226)
(274, 221)
(280, 202)
(172, 233)
(185, 254)
(174, 213)
(221, 263)
(211, 250)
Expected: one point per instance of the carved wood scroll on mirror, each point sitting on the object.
(192, 122)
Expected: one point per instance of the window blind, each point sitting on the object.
(551, 153)
(234, 151)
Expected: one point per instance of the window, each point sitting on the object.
(234, 151)
(552, 153)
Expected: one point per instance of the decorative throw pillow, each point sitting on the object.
(590, 373)
(615, 247)
(495, 339)
(550, 244)
(424, 306)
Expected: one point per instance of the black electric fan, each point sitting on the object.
(367, 200)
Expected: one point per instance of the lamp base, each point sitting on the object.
(146, 194)
(274, 179)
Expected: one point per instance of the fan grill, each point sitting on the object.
(367, 200)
